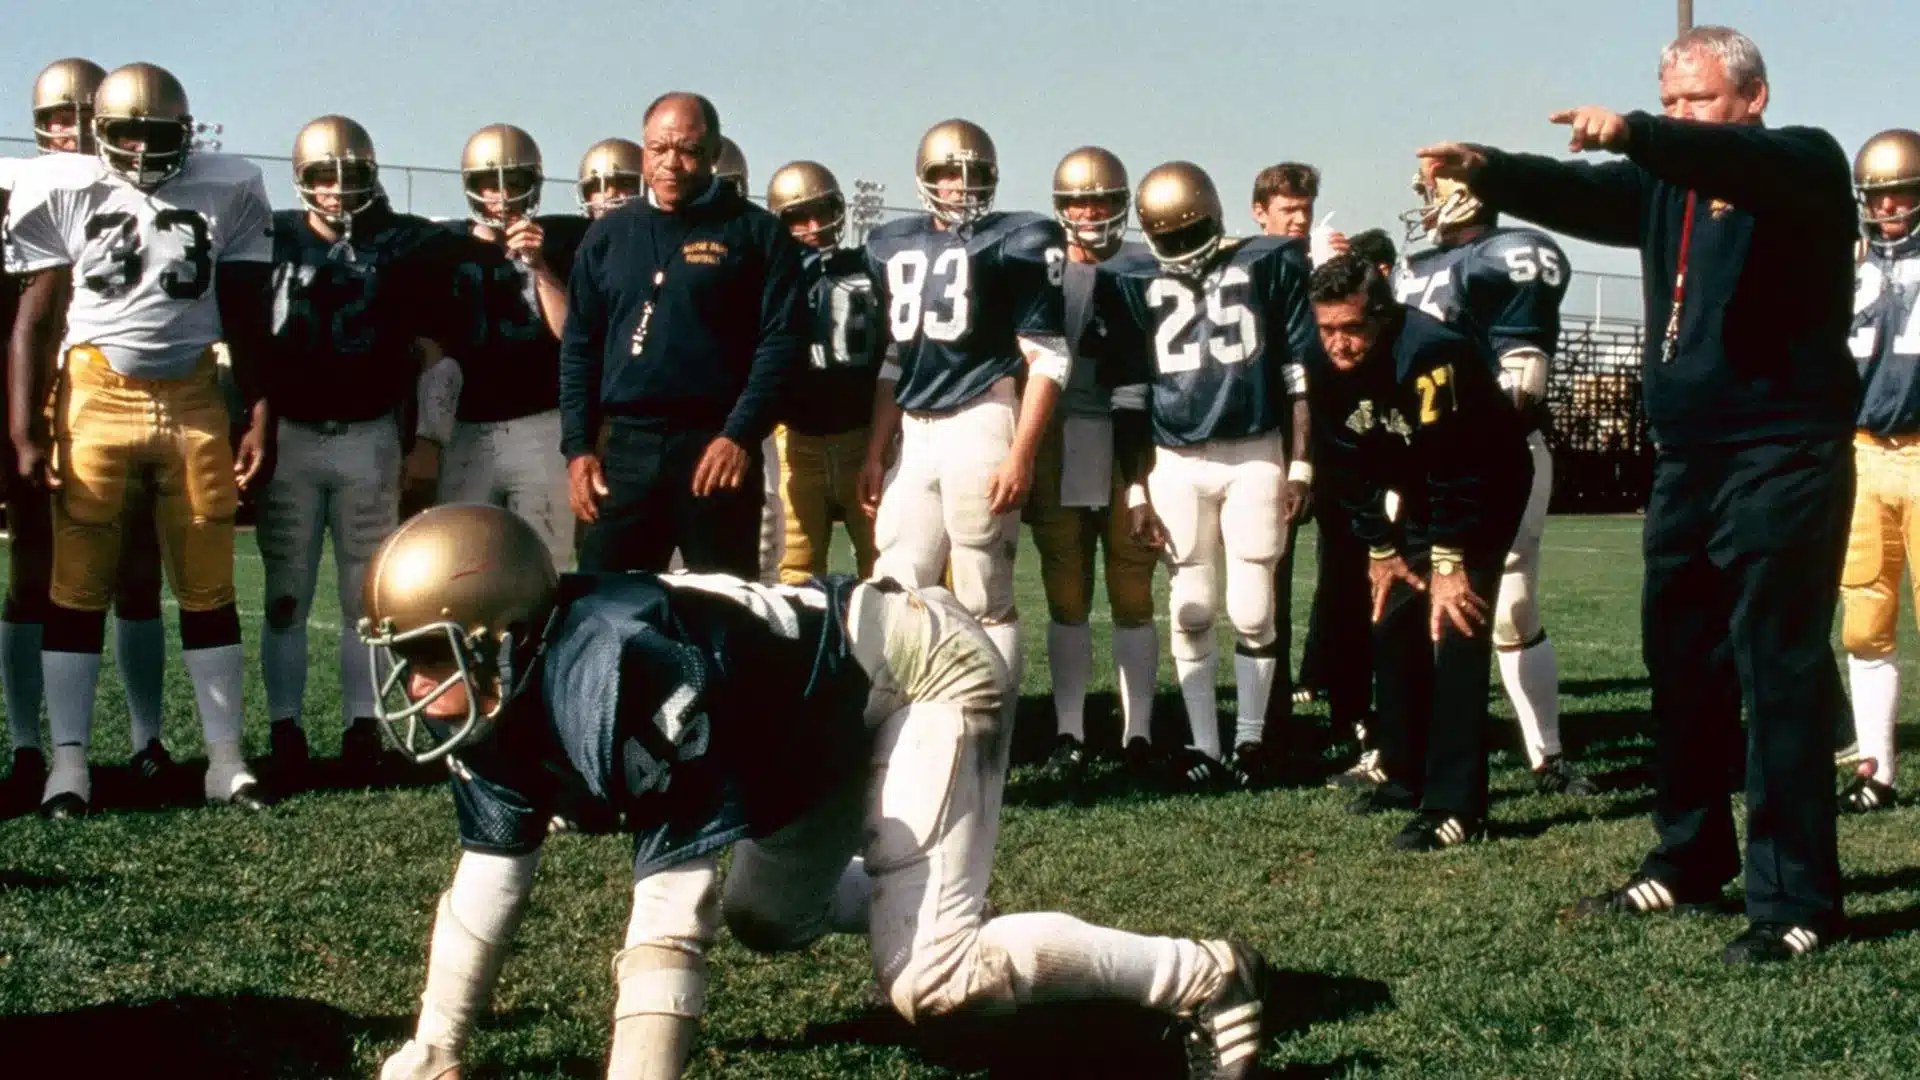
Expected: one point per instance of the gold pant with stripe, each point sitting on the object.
(1067, 537)
(819, 481)
(1881, 542)
(123, 442)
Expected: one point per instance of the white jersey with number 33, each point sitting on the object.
(143, 262)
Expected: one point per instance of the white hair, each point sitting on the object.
(1737, 53)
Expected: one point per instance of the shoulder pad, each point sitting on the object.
(1021, 233)
(1505, 239)
(843, 262)
(55, 172)
(1138, 262)
(230, 168)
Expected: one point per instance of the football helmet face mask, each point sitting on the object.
(1889, 161)
(467, 589)
(611, 170)
(1444, 204)
(67, 86)
(142, 125)
(1181, 216)
(730, 166)
(956, 172)
(803, 191)
(1092, 175)
(335, 154)
(501, 174)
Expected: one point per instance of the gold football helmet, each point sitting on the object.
(963, 146)
(1888, 161)
(334, 150)
(1090, 174)
(505, 159)
(730, 166)
(466, 588)
(1445, 203)
(612, 170)
(1181, 216)
(142, 126)
(66, 84)
(809, 187)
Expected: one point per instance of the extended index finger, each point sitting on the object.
(1562, 116)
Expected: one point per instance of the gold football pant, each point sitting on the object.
(118, 437)
(819, 478)
(1880, 543)
(1067, 537)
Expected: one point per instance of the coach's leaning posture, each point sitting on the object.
(1746, 237)
(1413, 407)
(685, 316)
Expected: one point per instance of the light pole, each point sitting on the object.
(1686, 15)
(207, 136)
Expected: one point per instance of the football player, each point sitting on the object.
(1413, 408)
(141, 257)
(350, 297)
(730, 167)
(63, 123)
(800, 726)
(509, 301)
(1503, 287)
(820, 449)
(1215, 335)
(1078, 505)
(1886, 343)
(973, 299)
(610, 176)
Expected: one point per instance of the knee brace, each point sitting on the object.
(660, 977)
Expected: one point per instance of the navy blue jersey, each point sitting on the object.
(1424, 416)
(345, 315)
(1222, 353)
(1886, 337)
(700, 708)
(1503, 287)
(491, 321)
(956, 299)
(847, 342)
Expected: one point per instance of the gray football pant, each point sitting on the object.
(515, 464)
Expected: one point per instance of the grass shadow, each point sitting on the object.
(20, 879)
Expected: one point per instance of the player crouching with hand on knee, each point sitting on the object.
(868, 723)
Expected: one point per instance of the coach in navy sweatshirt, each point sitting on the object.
(684, 318)
(1746, 237)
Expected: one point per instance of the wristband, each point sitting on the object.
(1301, 470)
(1382, 554)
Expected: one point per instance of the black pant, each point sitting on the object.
(1338, 656)
(1432, 698)
(1744, 547)
(649, 509)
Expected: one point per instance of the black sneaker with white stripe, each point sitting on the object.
(1364, 773)
(1229, 1028)
(1437, 829)
(1556, 777)
(1381, 798)
(1197, 772)
(1642, 895)
(1770, 943)
(1865, 794)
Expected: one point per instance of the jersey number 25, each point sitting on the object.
(1176, 348)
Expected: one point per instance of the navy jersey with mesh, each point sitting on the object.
(1222, 353)
(1503, 287)
(847, 342)
(1886, 337)
(955, 300)
(491, 321)
(700, 708)
(345, 315)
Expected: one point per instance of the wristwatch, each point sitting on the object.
(1445, 561)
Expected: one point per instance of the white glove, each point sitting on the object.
(421, 1061)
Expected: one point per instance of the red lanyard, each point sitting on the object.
(1679, 283)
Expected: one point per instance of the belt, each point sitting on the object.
(329, 427)
(1886, 442)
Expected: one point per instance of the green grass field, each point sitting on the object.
(196, 942)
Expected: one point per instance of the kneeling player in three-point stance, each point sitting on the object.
(800, 725)
(1414, 408)
(1218, 330)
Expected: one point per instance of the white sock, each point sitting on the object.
(1057, 957)
(1876, 702)
(1070, 658)
(140, 652)
(1006, 641)
(75, 678)
(1532, 678)
(283, 667)
(69, 775)
(20, 675)
(1136, 662)
(852, 906)
(1197, 690)
(1253, 680)
(217, 675)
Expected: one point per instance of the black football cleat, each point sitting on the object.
(1382, 798)
(1365, 773)
(152, 764)
(1864, 794)
(1252, 765)
(1770, 943)
(362, 751)
(287, 755)
(1067, 765)
(1643, 895)
(65, 806)
(1556, 777)
(1194, 771)
(250, 797)
(1227, 1031)
(23, 784)
(1435, 830)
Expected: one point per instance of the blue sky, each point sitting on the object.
(1234, 85)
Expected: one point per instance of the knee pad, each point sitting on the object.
(658, 979)
(1250, 602)
(283, 613)
(1867, 622)
(1191, 600)
(1516, 613)
(983, 580)
(981, 984)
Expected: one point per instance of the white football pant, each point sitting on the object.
(1528, 666)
